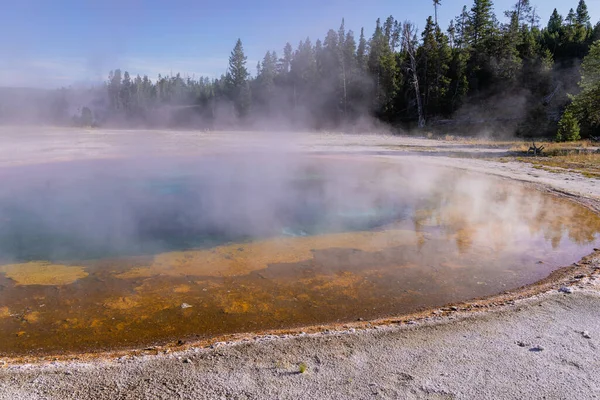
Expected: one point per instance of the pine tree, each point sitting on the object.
(125, 93)
(320, 58)
(484, 46)
(523, 11)
(265, 81)
(462, 28)
(481, 23)
(586, 104)
(349, 51)
(433, 63)
(451, 34)
(361, 51)
(332, 74)
(582, 17)
(552, 35)
(237, 77)
(382, 66)
(286, 61)
(555, 23)
(571, 19)
(391, 31)
(349, 70)
(509, 63)
(377, 46)
(342, 34)
(458, 82)
(303, 73)
(595, 33)
(427, 66)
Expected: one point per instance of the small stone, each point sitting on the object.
(596, 249)
(586, 335)
(187, 361)
(68, 373)
(565, 289)
(180, 342)
(521, 344)
(580, 276)
(454, 308)
(360, 319)
(185, 305)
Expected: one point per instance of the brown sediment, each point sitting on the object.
(589, 266)
(43, 273)
(32, 317)
(4, 312)
(242, 258)
(121, 303)
(182, 289)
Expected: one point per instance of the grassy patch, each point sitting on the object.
(587, 164)
(553, 148)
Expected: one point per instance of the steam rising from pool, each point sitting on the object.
(103, 254)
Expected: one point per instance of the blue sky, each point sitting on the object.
(53, 43)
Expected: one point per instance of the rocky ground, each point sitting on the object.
(544, 346)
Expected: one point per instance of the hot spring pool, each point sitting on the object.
(115, 254)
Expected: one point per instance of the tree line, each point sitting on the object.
(479, 72)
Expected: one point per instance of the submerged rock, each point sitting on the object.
(185, 305)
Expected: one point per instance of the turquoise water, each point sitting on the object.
(54, 213)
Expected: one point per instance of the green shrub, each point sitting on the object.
(302, 368)
(568, 128)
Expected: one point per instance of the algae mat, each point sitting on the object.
(43, 273)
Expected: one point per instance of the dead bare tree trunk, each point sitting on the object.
(535, 150)
(344, 86)
(409, 40)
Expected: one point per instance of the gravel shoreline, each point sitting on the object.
(543, 347)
